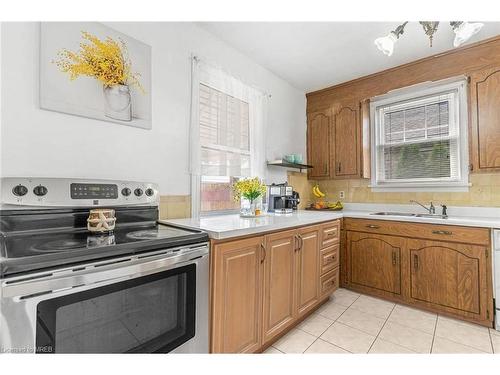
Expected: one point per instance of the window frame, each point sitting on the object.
(196, 180)
(413, 96)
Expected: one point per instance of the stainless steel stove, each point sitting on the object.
(140, 288)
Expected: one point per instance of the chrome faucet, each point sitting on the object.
(431, 208)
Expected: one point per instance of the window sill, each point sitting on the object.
(437, 188)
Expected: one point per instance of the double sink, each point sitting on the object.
(407, 214)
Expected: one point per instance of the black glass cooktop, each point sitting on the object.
(23, 245)
(40, 239)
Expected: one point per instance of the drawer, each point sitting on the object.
(330, 234)
(329, 282)
(329, 258)
(437, 232)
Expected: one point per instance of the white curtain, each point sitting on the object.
(215, 77)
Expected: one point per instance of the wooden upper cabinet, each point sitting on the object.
(237, 295)
(346, 142)
(485, 120)
(374, 262)
(279, 283)
(449, 276)
(308, 268)
(318, 144)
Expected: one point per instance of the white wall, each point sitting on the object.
(36, 142)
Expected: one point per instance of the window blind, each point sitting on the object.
(418, 140)
(224, 134)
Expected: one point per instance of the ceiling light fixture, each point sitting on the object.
(463, 32)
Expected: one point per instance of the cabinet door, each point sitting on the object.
(449, 276)
(346, 144)
(485, 116)
(308, 268)
(279, 283)
(374, 262)
(318, 144)
(237, 296)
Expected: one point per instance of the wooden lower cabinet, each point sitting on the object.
(308, 269)
(262, 286)
(449, 276)
(445, 276)
(237, 296)
(374, 262)
(279, 283)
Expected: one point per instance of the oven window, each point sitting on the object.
(154, 313)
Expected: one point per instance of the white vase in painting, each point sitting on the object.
(118, 102)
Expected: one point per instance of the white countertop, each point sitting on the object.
(228, 226)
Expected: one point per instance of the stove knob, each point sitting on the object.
(150, 192)
(138, 192)
(20, 190)
(40, 190)
(126, 191)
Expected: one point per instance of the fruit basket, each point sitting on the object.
(321, 204)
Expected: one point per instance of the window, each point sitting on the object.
(419, 138)
(225, 148)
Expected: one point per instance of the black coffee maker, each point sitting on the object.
(281, 198)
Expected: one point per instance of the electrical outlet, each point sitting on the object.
(342, 194)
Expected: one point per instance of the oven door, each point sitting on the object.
(148, 306)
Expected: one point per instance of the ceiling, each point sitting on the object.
(315, 55)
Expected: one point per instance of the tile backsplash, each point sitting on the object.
(484, 192)
(175, 206)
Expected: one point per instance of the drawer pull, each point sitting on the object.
(372, 226)
(330, 259)
(445, 232)
(329, 234)
(330, 283)
(394, 258)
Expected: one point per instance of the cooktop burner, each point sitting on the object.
(58, 245)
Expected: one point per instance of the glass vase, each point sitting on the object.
(250, 208)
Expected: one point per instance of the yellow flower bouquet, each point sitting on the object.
(105, 60)
(249, 189)
(108, 62)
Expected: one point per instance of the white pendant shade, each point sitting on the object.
(386, 43)
(465, 31)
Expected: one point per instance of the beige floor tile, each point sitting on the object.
(410, 338)
(344, 297)
(495, 340)
(364, 322)
(331, 310)
(464, 333)
(445, 346)
(322, 347)
(271, 350)
(374, 306)
(385, 347)
(296, 341)
(315, 324)
(414, 318)
(348, 338)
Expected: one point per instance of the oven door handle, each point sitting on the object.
(95, 273)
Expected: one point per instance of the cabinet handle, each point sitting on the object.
(330, 259)
(296, 242)
(339, 167)
(445, 232)
(415, 262)
(329, 234)
(372, 226)
(325, 169)
(263, 248)
(393, 258)
(301, 241)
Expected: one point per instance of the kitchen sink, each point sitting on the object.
(409, 214)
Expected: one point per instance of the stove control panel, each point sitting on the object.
(64, 192)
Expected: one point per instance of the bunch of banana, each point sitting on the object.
(335, 206)
(317, 192)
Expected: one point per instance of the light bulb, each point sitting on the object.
(386, 43)
(464, 31)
